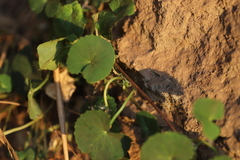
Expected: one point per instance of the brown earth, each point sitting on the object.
(185, 50)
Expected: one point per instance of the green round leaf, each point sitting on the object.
(92, 136)
(208, 109)
(92, 56)
(5, 83)
(167, 146)
(210, 130)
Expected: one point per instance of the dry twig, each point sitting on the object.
(146, 97)
(11, 151)
(61, 116)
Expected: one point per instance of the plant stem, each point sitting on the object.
(42, 84)
(26, 125)
(106, 88)
(23, 126)
(122, 107)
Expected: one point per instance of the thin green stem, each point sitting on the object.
(122, 107)
(106, 89)
(42, 84)
(28, 124)
(23, 126)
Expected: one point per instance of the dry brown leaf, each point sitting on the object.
(67, 86)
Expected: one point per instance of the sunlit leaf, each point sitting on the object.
(37, 5)
(5, 83)
(33, 107)
(92, 56)
(93, 137)
(210, 130)
(167, 146)
(206, 110)
(69, 20)
(51, 53)
(122, 7)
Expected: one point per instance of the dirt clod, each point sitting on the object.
(189, 49)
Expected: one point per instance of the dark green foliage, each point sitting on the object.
(108, 19)
(69, 20)
(111, 108)
(148, 124)
(24, 67)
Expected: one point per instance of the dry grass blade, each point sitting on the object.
(11, 151)
(4, 50)
(9, 102)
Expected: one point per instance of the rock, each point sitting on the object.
(188, 49)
